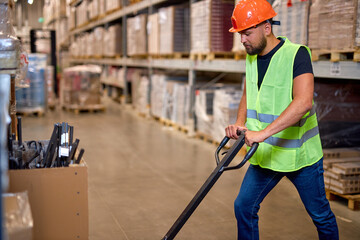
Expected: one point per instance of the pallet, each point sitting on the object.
(353, 199)
(240, 55)
(90, 108)
(31, 112)
(169, 123)
(113, 57)
(212, 56)
(175, 55)
(111, 11)
(134, 1)
(140, 56)
(336, 55)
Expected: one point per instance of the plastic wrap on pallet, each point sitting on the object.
(49, 79)
(140, 92)
(237, 46)
(153, 31)
(136, 35)
(158, 82)
(80, 85)
(33, 98)
(225, 108)
(204, 111)
(209, 31)
(180, 113)
(323, 33)
(294, 20)
(169, 107)
(338, 111)
(174, 29)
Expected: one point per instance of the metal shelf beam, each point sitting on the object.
(131, 9)
(322, 69)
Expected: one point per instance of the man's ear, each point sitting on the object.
(268, 28)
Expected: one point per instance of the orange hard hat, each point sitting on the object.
(249, 13)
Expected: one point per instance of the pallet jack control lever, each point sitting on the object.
(209, 183)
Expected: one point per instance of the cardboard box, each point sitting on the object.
(58, 198)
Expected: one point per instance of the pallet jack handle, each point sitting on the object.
(214, 176)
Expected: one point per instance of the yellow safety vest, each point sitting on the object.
(296, 146)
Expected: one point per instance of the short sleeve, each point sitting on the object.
(302, 63)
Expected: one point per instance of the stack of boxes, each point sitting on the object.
(342, 170)
(153, 29)
(174, 29)
(80, 86)
(333, 25)
(209, 31)
(293, 16)
(113, 40)
(136, 35)
(215, 109)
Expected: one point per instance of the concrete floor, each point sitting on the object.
(142, 175)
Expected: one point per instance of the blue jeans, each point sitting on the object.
(309, 182)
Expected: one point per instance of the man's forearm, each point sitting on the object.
(241, 115)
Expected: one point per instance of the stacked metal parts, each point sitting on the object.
(209, 31)
(59, 151)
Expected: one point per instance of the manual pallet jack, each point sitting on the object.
(222, 166)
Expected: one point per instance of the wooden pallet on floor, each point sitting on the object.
(353, 199)
(336, 55)
(37, 112)
(88, 108)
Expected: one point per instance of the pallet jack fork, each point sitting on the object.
(222, 166)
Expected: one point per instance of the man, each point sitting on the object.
(277, 111)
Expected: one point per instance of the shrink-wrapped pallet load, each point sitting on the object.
(33, 98)
(225, 108)
(140, 92)
(158, 82)
(293, 16)
(136, 35)
(237, 46)
(209, 28)
(181, 104)
(333, 24)
(174, 29)
(204, 113)
(153, 31)
(98, 44)
(80, 86)
(113, 41)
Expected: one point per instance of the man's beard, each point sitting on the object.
(258, 49)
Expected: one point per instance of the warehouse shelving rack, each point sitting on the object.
(322, 69)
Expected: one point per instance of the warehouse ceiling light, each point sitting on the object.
(30, 1)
